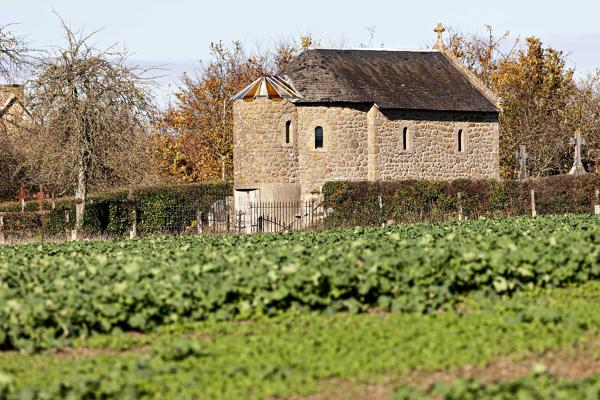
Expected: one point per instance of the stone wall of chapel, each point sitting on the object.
(260, 151)
(344, 153)
(432, 151)
(358, 144)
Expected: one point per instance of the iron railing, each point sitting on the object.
(283, 216)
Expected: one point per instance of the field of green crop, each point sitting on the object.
(536, 337)
(402, 312)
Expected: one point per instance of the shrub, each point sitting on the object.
(372, 203)
(110, 213)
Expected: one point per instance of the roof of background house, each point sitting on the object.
(392, 79)
(9, 95)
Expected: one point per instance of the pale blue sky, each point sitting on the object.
(178, 32)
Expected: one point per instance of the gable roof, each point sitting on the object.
(393, 79)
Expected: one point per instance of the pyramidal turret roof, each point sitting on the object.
(271, 87)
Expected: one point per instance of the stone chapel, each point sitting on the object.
(342, 114)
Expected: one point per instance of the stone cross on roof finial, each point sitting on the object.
(439, 29)
(578, 142)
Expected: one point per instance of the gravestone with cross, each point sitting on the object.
(522, 156)
(578, 142)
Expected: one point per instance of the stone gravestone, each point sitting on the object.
(578, 142)
(522, 156)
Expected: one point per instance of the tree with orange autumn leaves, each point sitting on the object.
(194, 137)
(543, 102)
(543, 105)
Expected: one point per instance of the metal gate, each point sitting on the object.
(284, 216)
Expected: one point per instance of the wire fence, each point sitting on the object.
(185, 219)
(223, 218)
(220, 216)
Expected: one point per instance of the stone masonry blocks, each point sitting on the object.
(361, 142)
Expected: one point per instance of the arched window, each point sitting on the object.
(288, 126)
(405, 139)
(318, 137)
(459, 141)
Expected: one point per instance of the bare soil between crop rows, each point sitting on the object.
(573, 363)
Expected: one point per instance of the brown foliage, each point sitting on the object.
(584, 113)
(193, 141)
(9, 161)
(14, 56)
(543, 104)
(537, 88)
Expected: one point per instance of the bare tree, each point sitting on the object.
(14, 57)
(483, 53)
(14, 52)
(583, 113)
(371, 31)
(90, 109)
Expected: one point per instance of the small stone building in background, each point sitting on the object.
(12, 110)
(362, 115)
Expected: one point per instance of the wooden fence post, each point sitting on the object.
(597, 205)
(2, 237)
(69, 232)
(22, 197)
(381, 210)
(460, 206)
(133, 215)
(533, 210)
(133, 231)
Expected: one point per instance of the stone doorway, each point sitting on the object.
(242, 200)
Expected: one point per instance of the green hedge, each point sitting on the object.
(30, 206)
(374, 203)
(110, 213)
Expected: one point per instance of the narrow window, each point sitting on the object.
(459, 140)
(405, 139)
(318, 137)
(288, 125)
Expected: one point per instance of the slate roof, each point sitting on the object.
(393, 79)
